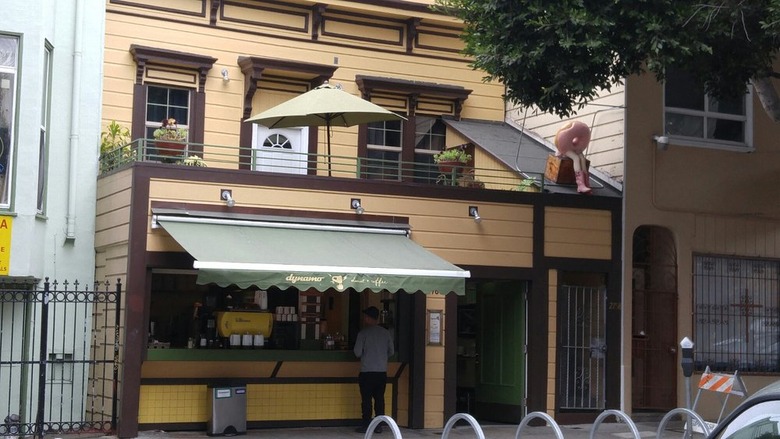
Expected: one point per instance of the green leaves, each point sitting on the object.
(557, 55)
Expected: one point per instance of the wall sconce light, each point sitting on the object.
(355, 204)
(225, 76)
(474, 213)
(227, 196)
(662, 142)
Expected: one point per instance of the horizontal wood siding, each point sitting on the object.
(577, 233)
(606, 118)
(504, 238)
(229, 40)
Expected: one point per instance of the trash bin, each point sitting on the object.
(227, 410)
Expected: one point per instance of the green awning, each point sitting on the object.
(264, 254)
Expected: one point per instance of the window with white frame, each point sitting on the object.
(9, 57)
(165, 103)
(692, 117)
(430, 137)
(385, 144)
(43, 139)
(736, 313)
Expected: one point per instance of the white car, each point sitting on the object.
(757, 417)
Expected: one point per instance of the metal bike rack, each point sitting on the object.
(466, 417)
(618, 414)
(678, 411)
(533, 415)
(387, 420)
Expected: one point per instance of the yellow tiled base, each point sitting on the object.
(265, 402)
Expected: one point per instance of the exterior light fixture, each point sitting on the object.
(225, 76)
(661, 142)
(474, 213)
(227, 196)
(355, 204)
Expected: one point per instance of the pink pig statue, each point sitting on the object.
(571, 140)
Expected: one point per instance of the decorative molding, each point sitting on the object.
(317, 11)
(411, 33)
(144, 56)
(216, 6)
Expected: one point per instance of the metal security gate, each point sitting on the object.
(582, 348)
(58, 358)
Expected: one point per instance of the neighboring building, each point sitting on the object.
(701, 233)
(268, 231)
(50, 75)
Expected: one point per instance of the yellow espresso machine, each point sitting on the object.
(246, 329)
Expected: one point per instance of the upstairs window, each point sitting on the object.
(384, 145)
(166, 102)
(9, 57)
(694, 118)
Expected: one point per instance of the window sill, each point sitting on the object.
(710, 144)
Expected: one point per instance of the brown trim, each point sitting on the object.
(536, 360)
(398, 4)
(145, 56)
(202, 12)
(417, 44)
(288, 213)
(369, 84)
(417, 365)
(136, 311)
(398, 42)
(499, 273)
(304, 13)
(450, 354)
(461, 59)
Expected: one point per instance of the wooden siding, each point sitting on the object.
(577, 233)
(552, 334)
(504, 238)
(606, 118)
(434, 371)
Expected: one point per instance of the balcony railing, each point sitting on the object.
(283, 161)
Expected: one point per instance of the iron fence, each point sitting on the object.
(58, 358)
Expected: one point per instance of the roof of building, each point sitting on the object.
(525, 154)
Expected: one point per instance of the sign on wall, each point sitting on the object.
(6, 223)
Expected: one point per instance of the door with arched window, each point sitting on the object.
(281, 150)
(654, 320)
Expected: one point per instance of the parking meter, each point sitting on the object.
(687, 357)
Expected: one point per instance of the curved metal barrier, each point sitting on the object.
(680, 410)
(534, 415)
(618, 414)
(466, 417)
(378, 420)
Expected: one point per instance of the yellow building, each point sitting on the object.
(498, 299)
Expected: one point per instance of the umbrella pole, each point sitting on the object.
(327, 133)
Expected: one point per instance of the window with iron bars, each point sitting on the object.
(736, 314)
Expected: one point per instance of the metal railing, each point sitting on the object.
(283, 161)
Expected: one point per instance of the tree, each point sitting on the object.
(558, 55)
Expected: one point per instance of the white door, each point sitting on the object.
(283, 150)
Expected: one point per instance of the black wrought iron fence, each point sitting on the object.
(58, 357)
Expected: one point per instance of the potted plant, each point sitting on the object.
(169, 139)
(450, 158)
(114, 146)
(529, 184)
(194, 160)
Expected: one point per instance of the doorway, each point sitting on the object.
(491, 351)
(654, 320)
(280, 150)
(582, 349)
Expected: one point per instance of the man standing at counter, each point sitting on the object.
(373, 346)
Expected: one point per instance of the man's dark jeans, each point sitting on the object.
(372, 386)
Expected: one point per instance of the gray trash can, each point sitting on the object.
(227, 410)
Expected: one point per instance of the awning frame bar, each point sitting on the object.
(279, 225)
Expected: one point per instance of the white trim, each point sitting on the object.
(277, 225)
(246, 266)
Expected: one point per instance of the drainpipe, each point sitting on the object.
(75, 103)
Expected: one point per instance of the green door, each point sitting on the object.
(500, 387)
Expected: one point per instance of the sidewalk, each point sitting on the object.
(610, 430)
